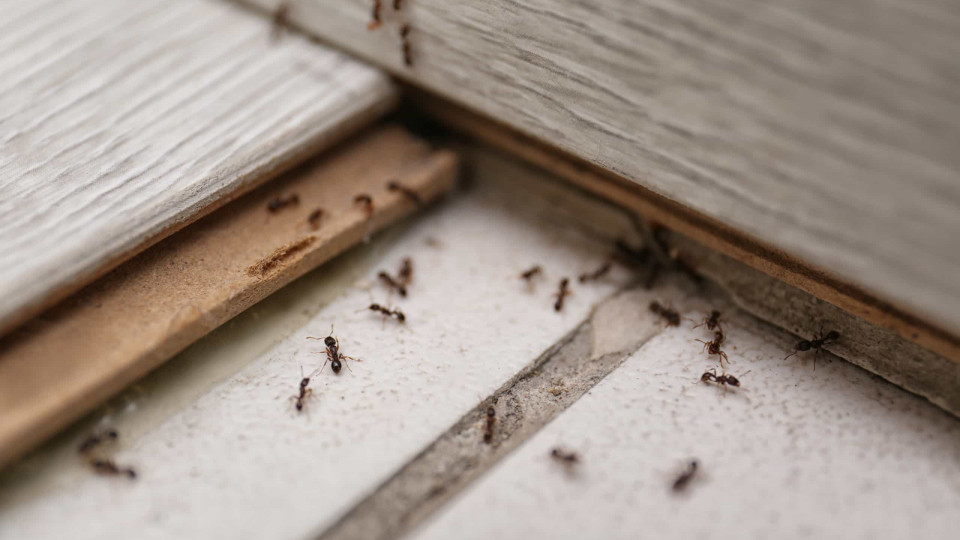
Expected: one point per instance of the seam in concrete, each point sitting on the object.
(523, 405)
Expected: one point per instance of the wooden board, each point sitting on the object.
(58, 366)
(828, 130)
(709, 234)
(122, 121)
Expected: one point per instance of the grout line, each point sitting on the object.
(524, 404)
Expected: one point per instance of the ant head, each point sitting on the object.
(491, 411)
(330, 341)
(714, 314)
(833, 335)
(304, 382)
(401, 317)
(803, 346)
(375, 307)
(112, 434)
(706, 376)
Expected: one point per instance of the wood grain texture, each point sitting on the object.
(63, 363)
(640, 203)
(826, 129)
(121, 121)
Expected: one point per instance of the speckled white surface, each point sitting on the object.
(240, 463)
(797, 453)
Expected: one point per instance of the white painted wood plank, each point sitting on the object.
(795, 453)
(122, 120)
(826, 129)
(237, 461)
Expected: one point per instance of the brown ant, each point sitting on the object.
(305, 392)
(314, 218)
(394, 284)
(562, 294)
(375, 20)
(389, 312)
(364, 201)
(407, 53)
(107, 467)
(596, 274)
(279, 203)
(397, 187)
(712, 322)
(567, 459)
(397, 5)
(94, 440)
(405, 274)
(489, 423)
(723, 379)
(280, 20)
(685, 477)
(816, 344)
(334, 356)
(669, 315)
(713, 347)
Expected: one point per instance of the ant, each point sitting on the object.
(405, 274)
(366, 202)
(685, 477)
(670, 315)
(375, 21)
(816, 344)
(712, 322)
(279, 203)
(280, 20)
(723, 379)
(304, 391)
(388, 312)
(388, 280)
(96, 439)
(314, 218)
(531, 273)
(397, 5)
(407, 54)
(567, 459)
(334, 356)
(713, 347)
(596, 274)
(107, 467)
(490, 422)
(562, 294)
(397, 187)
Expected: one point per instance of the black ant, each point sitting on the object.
(107, 467)
(712, 322)
(407, 53)
(562, 294)
(685, 477)
(816, 344)
(280, 22)
(334, 356)
(397, 5)
(596, 274)
(389, 312)
(528, 275)
(375, 21)
(723, 379)
(388, 280)
(366, 202)
(96, 439)
(314, 218)
(568, 459)
(489, 423)
(669, 315)
(713, 347)
(397, 187)
(279, 203)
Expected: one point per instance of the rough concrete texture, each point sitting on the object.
(793, 453)
(523, 405)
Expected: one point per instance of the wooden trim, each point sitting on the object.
(711, 233)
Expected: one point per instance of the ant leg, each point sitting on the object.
(791, 354)
(723, 356)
